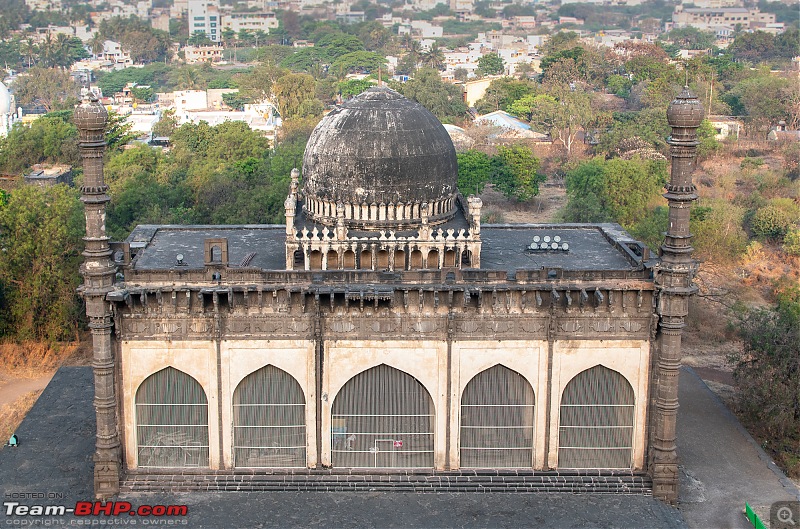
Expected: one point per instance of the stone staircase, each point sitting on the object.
(387, 480)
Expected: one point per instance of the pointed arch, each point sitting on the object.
(384, 418)
(171, 421)
(596, 420)
(497, 420)
(269, 420)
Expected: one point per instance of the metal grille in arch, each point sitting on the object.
(597, 420)
(382, 418)
(497, 417)
(171, 421)
(269, 420)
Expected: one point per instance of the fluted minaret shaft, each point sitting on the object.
(98, 272)
(674, 282)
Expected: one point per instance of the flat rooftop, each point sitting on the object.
(505, 246)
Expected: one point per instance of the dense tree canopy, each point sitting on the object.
(40, 233)
(444, 100)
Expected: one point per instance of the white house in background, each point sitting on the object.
(113, 52)
(426, 30)
(7, 109)
(195, 54)
(250, 21)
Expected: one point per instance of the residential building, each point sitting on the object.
(250, 21)
(204, 16)
(195, 54)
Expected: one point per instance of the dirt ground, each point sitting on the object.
(25, 370)
(540, 209)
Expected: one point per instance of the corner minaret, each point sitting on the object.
(674, 283)
(98, 272)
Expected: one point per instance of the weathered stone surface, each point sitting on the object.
(380, 148)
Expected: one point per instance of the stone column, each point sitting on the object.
(674, 283)
(98, 271)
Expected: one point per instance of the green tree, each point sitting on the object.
(434, 58)
(474, 171)
(353, 87)
(234, 100)
(40, 233)
(50, 139)
(776, 218)
(358, 61)
(145, 94)
(562, 114)
(138, 38)
(756, 47)
(296, 96)
(617, 190)
(767, 370)
(717, 229)
(166, 124)
(491, 64)
(691, 38)
(522, 178)
(444, 100)
(258, 84)
(199, 38)
(766, 99)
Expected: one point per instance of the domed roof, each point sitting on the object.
(5, 100)
(380, 147)
(685, 110)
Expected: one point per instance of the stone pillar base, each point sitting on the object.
(665, 482)
(106, 478)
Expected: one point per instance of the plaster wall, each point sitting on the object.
(528, 358)
(425, 360)
(239, 358)
(628, 357)
(140, 359)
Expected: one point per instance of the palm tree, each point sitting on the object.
(188, 78)
(47, 51)
(414, 51)
(97, 44)
(434, 58)
(28, 49)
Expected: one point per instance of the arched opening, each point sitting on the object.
(365, 260)
(333, 259)
(450, 258)
(497, 417)
(415, 259)
(315, 260)
(382, 418)
(269, 420)
(349, 259)
(399, 260)
(466, 258)
(597, 419)
(433, 259)
(171, 421)
(216, 254)
(383, 260)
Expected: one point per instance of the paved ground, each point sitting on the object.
(722, 468)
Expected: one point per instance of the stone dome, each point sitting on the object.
(5, 100)
(685, 111)
(90, 117)
(383, 158)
